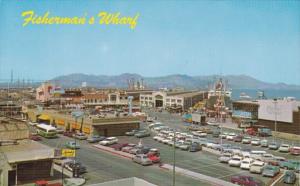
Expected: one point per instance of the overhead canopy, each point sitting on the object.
(44, 117)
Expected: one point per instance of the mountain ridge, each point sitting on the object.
(169, 81)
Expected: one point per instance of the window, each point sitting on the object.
(168, 100)
(142, 97)
(172, 100)
(150, 98)
(179, 101)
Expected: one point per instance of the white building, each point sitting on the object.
(166, 99)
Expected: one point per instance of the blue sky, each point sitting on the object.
(256, 38)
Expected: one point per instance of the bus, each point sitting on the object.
(46, 131)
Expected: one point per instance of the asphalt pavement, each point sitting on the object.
(103, 166)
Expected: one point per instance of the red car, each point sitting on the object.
(119, 146)
(251, 131)
(295, 151)
(35, 138)
(245, 180)
(153, 158)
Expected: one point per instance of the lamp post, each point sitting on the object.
(174, 140)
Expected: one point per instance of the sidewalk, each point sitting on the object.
(202, 177)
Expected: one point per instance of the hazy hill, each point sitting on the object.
(170, 81)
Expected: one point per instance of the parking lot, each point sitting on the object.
(104, 167)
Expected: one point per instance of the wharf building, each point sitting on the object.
(110, 125)
(22, 160)
(286, 113)
(163, 99)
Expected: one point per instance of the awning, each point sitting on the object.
(44, 117)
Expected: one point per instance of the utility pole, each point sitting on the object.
(174, 149)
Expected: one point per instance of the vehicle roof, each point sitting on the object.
(261, 163)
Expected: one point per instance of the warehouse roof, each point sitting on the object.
(26, 150)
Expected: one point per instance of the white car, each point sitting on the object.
(225, 158)
(109, 141)
(246, 140)
(257, 167)
(230, 136)
(224, 135)
(235, 161)
(284, 148)
(167, 140)
(255, 141)
(159, 136)
(245, 164)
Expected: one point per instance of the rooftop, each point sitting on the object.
(26, 150)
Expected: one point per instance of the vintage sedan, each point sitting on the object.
(246, 140)
(235, 161)
(246, 163)
(95, 139)
(255, 141)
(270, 171)
(289, 177)
(284, 148)
(142, 159)
(225, 158)
(264, 143)
(257, 167)
(245, 181)
(295, 151)
(109, 141)
(72, 145)
(273, 146)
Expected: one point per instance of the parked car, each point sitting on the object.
(264, 143)
(142, 159)
(289, 177)
(72, 145)
(257, 167)
(295, 151)
(35, 137)
(109, 141)
(246, 163)
(224, 135)
(235, 161)
(284, 148)
(142, 134)
(290, 165)
(245, 181)
(95, 139)
(68, 133)
(225, 157)
(131, 133)
(185, 146)
(119, 146)
(270, 171)
(143, 150)
(154, 158)
(80, 136)
(230, 136)
(255, 141)
(195, 147)
(273, 146)
(246, 140)
(238, 138)
(71, 165)
(128, 147)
